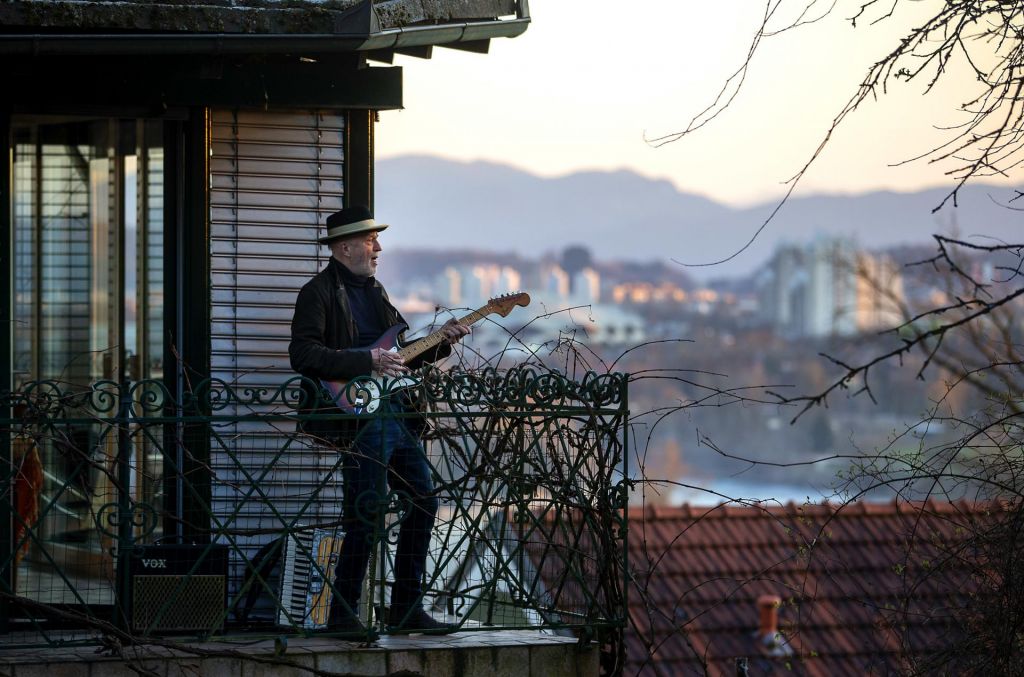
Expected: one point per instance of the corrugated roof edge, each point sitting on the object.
(358, 28)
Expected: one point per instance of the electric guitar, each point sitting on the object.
(363, 397)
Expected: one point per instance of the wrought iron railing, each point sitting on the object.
(221, 511)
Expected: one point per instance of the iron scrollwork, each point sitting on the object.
(528, 464)
(110, 517)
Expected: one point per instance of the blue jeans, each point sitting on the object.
(385, 448)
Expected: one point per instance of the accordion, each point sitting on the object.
(305, 595)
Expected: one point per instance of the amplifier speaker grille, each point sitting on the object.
(174, 603)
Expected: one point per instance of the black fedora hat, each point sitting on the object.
(350, 221)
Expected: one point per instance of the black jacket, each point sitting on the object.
(323, 334)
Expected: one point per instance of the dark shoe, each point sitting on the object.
(343, 621)
(416, 620)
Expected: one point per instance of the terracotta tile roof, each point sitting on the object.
(840, 573)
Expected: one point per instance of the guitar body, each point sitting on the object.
(389, 339)
(363, 395)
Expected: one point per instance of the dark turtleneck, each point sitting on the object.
(364, 300)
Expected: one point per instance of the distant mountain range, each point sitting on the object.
(436, 203)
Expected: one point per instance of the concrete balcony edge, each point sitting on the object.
(510, 653)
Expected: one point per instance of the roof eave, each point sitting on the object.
(49, 44)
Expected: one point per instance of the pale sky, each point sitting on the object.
(586, 82)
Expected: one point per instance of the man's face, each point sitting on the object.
(359, 253)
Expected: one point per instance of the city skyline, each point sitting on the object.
(829, 287)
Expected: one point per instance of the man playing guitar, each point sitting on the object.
(339, 314)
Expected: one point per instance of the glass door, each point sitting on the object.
(88, 284)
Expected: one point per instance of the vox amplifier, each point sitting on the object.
(178, 587)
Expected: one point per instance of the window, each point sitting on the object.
(88, 281)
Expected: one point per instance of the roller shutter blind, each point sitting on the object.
(274, 177)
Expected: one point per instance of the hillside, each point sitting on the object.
(443, 204)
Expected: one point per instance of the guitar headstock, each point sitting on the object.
(503, 305)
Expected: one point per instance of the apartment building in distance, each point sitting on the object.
(829, 287)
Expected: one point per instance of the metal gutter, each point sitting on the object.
(44, 44)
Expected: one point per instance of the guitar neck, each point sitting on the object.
(427, 342)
